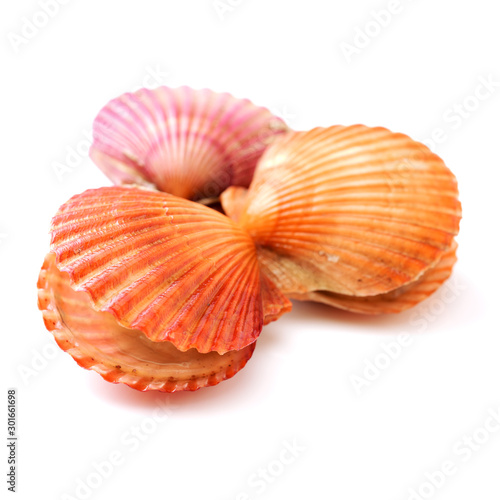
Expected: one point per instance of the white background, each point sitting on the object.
(375, 443)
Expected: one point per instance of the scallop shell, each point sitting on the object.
(398, 300)
(174, 269)
(96, 341)
(190, 143)
(355, 211)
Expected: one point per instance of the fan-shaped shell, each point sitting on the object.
(171, 268)
(96, 341)
(353, 210)
(191, 143)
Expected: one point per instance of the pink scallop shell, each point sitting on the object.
(191, 143)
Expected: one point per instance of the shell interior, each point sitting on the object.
(96, 341)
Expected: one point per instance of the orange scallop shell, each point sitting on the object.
(171, 268)
(355, 211)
